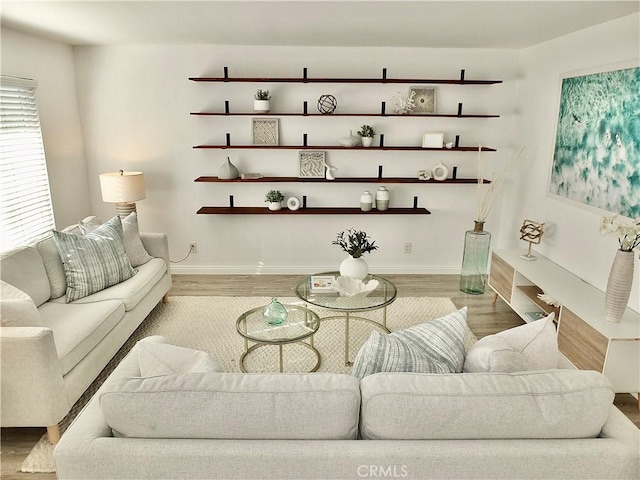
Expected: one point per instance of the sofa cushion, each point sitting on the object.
(163, 359)
(548, 404)
(533, 346)
(437, 346)
(315, 406)
(95, 261)
(78, 328)
(17, 308)
(22, 267)
(53, 265)
(131, 291)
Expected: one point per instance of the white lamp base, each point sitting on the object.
(125, 208)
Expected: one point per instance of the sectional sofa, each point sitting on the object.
(204, 423)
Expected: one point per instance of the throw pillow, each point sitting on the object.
(533, 346)
(136, 252)
(95, 261)
(437, 346)
(17, 308)
(165, 359)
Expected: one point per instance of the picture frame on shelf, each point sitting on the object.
(312, 164)
(424, 100)
(432, 140)
(265, 131)
(322, 283)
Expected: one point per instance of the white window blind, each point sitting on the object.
(26, 213)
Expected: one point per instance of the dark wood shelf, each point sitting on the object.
(338, 147)
(342, 80)
(309, 211)
(291, 114)
(338, 180)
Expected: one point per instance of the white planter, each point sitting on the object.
(261, 106)
(367, 141)
(274, 205)
(354, 268)
(618, 286)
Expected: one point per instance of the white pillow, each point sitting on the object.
(533, 346)
(17, 308)
(165, 359)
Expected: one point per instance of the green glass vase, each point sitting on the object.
(275, 313)
(475, 260)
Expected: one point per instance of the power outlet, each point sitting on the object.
(407, 247)
(193, 247)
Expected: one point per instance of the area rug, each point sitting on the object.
(209, 324)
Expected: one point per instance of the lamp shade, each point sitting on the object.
(122, 186)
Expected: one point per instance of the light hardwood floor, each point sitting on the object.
(484, 318)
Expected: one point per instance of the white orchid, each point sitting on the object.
(628, 232)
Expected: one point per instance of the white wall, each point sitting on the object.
(572, 236)
(51, 64)
(135, 103)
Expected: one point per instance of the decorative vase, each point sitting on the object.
(275, 313)
(475, 260)
(618, 286)
(350, 140)
(354, 267)
(262, 106)
(367, 141)
(228, 171)
(440, 172)
(366, 201)
(382, 199)
(274, 205)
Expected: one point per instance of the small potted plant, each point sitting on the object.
(367, 133)
(261, 103)
(274, 199)
(355, 243)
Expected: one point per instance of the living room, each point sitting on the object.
(114, 93)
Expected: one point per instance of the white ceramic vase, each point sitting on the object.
(350, 140)
(366, 201)
(618, 286)
(382, 198)
(354, 268)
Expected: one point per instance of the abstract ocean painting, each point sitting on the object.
(597, 151)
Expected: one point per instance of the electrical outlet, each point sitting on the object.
(407, 247)
(193, 247)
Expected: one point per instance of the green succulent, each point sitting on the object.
(274, 196)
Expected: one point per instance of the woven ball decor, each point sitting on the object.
(327, 104)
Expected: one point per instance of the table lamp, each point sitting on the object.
(123, 189)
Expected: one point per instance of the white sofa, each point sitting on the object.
(215, 425)
(51, 351)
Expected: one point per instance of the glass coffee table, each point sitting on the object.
(300, 324)
(345, 307)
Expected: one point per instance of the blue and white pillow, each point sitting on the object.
(95, 261)
(437, 346)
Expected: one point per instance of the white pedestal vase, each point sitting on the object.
(619, 286)
(354, 268)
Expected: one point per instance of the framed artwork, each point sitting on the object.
(596, 156)
(322, 283)
(424, 100)
(432, 140)
(312, 164)
(265, 131)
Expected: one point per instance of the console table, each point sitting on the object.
(585, 338)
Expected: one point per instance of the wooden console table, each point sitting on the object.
(585, 338)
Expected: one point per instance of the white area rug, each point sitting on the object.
(209, 324)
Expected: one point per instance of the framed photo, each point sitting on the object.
(596, 155)
(424, 100)
(312, 164)
(432, 140)
(265, 131)
(322, 283)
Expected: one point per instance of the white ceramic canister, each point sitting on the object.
(366, 201)
(382, 198)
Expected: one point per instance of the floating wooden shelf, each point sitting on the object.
(338, 147)
(309, 211)
(291, 114)
(343, 80)
(338, 180)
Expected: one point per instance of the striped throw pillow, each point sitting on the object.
(95, 261)
(437, 346)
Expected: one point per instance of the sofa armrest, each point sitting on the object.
(32, 385)
(157, 245)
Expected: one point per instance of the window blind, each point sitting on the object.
(26, 213)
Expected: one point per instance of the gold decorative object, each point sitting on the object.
(531, 232)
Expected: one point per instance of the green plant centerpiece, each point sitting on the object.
(262, 95)
(366, 131)
(355, 243)
(274, 199)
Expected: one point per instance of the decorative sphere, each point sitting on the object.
(327, 104)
